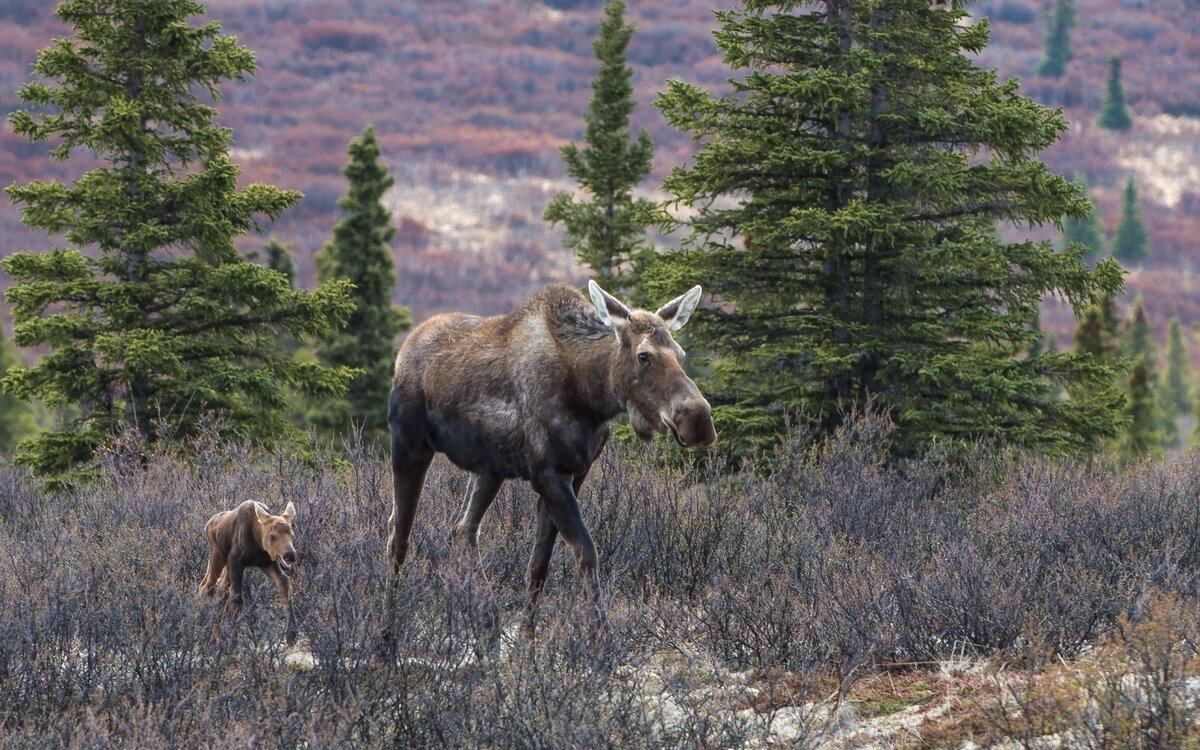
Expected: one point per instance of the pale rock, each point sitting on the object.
(300, 661)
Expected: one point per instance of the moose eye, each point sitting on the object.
(271, 539)
(643, 358)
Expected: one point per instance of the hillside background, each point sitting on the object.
(472, 99)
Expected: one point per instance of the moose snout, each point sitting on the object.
(287, 558)
(692, 424)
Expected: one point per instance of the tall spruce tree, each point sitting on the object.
(1177, 394)
(1131, 243)
(1139, 346)
(162, 323)
(1139, 338)
(1093, 338)
(1088, 230)
(607, 228)
(1114, 114)
(845, 230)
(1142, 437)
(1057, 52)
(361, 252)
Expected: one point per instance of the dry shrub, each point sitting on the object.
(1139, 690)
(833, 562)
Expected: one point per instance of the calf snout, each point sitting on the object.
(286, 559)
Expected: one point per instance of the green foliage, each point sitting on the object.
(607, 231)
(16, 418)
(1114, 114)
(361, 253)
(162, 324)
(1088, 230)
(1139, 342)
(1142, 437)
(1177, 396)
(1057, 51)
(1139, 346)
(1093, 338)
(280, 258)
(1131, 242)
(844, 226)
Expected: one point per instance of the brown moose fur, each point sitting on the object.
(249, 536)
(529, 395)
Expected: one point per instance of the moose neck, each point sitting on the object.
(597, 370)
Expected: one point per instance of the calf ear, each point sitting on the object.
(261, 514)
(289, 512)
(676, 312)
(609, 308)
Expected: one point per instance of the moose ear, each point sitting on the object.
(289, 512)
(676, 312)
(609, 308)
(261, 514)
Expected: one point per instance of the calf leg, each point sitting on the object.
(481, 491)
(284, 587)
(216, 567)
(236, 570)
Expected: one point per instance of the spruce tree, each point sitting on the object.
(16, 419)
(845, 230)
(161, 324)
(1139, 347)
(1087, 231)
(361, 252)
(1092, 337)
(1177, 396)
(279, 258)
(1139, 342)
(1131, 243)
(1058, 40)
(1142, 437)
(606, 228)
(1114, 114)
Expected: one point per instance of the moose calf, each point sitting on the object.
(249, 536)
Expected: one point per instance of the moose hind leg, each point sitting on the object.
(481, 491)
(216, 568)
(408, 477)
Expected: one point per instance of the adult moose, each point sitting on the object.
(529, 395)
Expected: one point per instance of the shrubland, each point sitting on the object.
(740, 593)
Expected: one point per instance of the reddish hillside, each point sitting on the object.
(471, 101)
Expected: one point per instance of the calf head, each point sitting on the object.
(648, 371)
(276, 535)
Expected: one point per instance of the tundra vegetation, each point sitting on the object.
(872, 348)
(733, 596)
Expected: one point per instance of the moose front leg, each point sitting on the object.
(284, 586)
(539, 564)
(559, 504)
